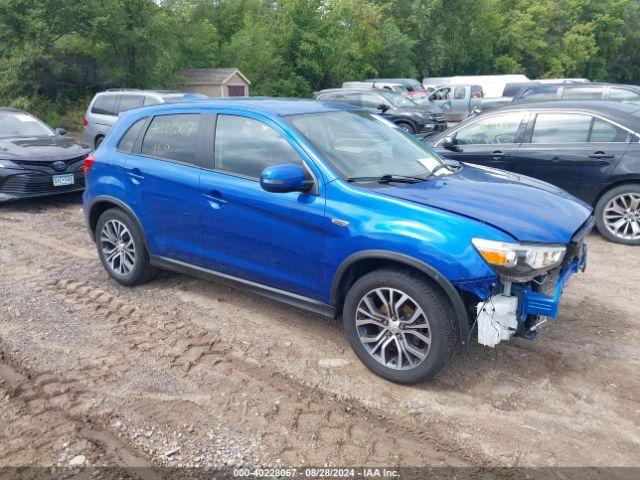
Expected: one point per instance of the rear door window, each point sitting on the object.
(459, 93)
(127, 102)
(105, 105)
(246, 146)
(172, 137)
(561, 128)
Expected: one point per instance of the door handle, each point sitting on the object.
(135, 175)
(601, 155)
(498, 154)
(214, 199)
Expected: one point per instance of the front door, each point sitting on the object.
(275, 239)
(491, 140)
(163, 177)
(441, 97)
(574, 151)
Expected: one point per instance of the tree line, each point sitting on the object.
(59, 51)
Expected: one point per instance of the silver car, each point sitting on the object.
(104, 108)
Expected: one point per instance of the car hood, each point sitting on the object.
(41, 148)
(527, 209)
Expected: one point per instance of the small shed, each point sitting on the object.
(216, 82)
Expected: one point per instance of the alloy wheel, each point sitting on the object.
(117, 247)
(622, 216)
(393, 328)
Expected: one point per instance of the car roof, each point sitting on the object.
(269, 105)
(627, 114)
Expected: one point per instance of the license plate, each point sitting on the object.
(63, 180)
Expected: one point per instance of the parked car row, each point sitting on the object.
(334, 206)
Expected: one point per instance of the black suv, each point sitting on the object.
(423, 120)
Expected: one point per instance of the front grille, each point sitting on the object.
(36, 183)
(47, 163)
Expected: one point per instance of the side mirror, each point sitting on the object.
(285, 177)
(447, 142)
(61, 131)
(383, 108)
(433, 97)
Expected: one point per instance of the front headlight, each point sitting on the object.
(517, 261)
(7, 164)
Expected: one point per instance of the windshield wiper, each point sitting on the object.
(387, 178)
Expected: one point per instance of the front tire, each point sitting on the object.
(618, 214)
(121, 248)
(399, 325)
(407, 127)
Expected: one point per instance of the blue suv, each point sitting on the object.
(335, 210)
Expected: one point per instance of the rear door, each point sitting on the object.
(575, 151)
(490, 140)
(459, 103)
(163, 181)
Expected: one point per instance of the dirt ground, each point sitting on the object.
(184, 372)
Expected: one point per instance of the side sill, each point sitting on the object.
(282, 296)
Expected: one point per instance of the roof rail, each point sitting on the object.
(122, 90)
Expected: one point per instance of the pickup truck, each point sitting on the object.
(460, 101)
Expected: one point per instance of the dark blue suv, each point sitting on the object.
(335, 210)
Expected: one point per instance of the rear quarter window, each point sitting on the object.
(105, 105)
(128, 140)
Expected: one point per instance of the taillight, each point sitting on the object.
(85, 122)
(88, 162)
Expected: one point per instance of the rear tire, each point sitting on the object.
(618, 214)
(370, 327)
(121, 248)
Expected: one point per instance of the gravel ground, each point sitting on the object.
(182, 372)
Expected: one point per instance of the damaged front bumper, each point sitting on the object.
(517, 309)
(534, 303)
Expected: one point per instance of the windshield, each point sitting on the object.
(398, 99)
(20, 124)
(360, 144)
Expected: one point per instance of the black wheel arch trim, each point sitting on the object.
(120, 204)
(428, 270)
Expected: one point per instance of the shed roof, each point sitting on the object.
(210, 76)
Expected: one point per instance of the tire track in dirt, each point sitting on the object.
(299, 425)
